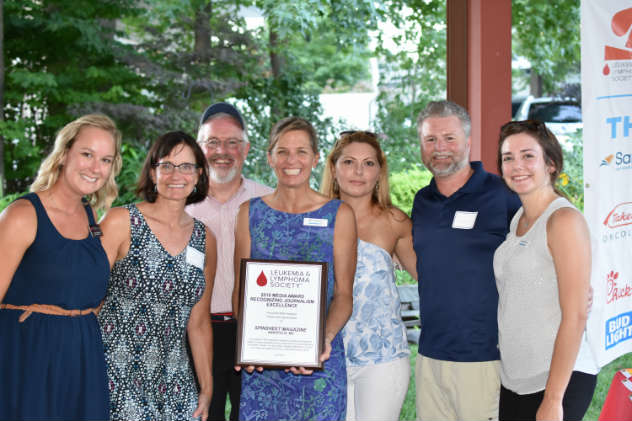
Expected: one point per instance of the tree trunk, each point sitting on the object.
(1, 96)
(276, 62)
(276, 65)
(202, 46)
(535, 84)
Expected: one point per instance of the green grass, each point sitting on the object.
(603, 384)
(601, 391)
(409, 412)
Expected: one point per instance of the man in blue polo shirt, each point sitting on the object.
(459, 220)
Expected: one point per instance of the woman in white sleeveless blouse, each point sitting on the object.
(543, 277)
(376, 349)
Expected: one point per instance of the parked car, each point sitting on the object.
(563, 116)
(516, 102)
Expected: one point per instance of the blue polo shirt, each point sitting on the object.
(455, 238)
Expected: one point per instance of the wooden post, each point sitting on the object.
(485, 87)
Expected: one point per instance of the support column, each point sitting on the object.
(479, 69)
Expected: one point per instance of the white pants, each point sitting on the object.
(377, 391)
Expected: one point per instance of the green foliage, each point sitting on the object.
(6, 200)
(133, 159)
(411, 75)
(571, 180)
(62, 62)
(165, 60)
(404, 186)
(547, 34)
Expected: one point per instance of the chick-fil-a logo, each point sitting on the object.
(615, 291)
(621, 25)
(620, 216)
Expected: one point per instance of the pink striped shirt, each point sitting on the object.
(220, 219)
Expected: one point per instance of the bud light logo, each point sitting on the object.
(618, 329)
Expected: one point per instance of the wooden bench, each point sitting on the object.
(409, 297)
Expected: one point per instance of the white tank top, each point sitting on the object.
(529, 312)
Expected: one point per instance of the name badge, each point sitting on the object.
(195, 257)
(315, 222)
(464, 220)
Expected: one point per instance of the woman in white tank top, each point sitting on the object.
(543, 277)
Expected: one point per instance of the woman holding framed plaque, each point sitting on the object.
(296, 223)
(376, 347)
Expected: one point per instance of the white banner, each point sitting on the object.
(606, 50)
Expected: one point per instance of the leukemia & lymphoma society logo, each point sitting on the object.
(621, 26)
(262, 280)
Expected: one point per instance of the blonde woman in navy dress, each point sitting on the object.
(542, 273)
(163, 266)
(274, 227)
(53, 276)
(376, 347)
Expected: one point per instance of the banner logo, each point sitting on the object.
(620, 216)
(262, 280)
(621, 24)
(606, 161)
(619, 161)
(618, 329)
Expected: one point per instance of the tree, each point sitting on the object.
(1, 96)
(411, 75)
(547, 34)
(62, 57)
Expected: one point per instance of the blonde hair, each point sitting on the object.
(381, 195)
(49, 170)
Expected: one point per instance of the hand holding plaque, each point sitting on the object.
(282, 318)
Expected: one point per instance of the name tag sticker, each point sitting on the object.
(464, 220)
(315, 222)
(195, 257)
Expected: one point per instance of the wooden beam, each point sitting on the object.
(486, 86)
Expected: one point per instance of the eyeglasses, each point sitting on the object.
(231, 144)
(184, 168)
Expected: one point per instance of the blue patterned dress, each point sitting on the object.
(275, 394)
(375, 332)
(144, 319)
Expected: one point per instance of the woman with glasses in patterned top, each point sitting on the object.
(376, 346)
(163, 266)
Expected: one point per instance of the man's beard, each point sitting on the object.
(454, 167)
(216, 178)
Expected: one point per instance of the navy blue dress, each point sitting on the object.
(275, 394)
(53, 367)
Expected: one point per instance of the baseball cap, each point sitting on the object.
(223, 107)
